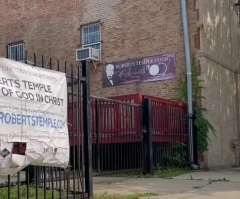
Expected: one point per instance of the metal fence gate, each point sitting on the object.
(56, 183)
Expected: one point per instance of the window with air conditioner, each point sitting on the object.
(91, 36)
(16, 51)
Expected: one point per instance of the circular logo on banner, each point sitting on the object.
(154, 70)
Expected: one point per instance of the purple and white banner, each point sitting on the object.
(146, 69)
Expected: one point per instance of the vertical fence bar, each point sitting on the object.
(73, 133)
(50, 63)
(109, 131)
(134, 138)
(58, 65)
(34, 59)
(27, 181)
(97, 160)
(9, 186)
(126, 140)
(35, 167)
(125, 136)
(56, 177)
(109, 128)
(52, 178)
(42, 62)
(93, 133)
(117, 117)
(87, 129)
(45, 183)
(66, 174)
(36, 180)
(147, 125)
(68, 183)
(121, 132)
(128, 134)
(60, 179)
(79, 132)
(26, 54)
(78, 96)
(18, 174)
(60, 183)
(103, 133)
(102, 129)
(155, 133)
(141, 134)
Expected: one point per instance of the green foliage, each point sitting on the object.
(203, 126)
(176, 156)
(182, 89)
(118, 196)
(196, 85)
(159, 172)
(210, 181)
(169, 173)
(32, 193)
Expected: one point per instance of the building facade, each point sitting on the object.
(135, 29)
(219, 58)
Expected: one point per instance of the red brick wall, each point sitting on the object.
(130, 29)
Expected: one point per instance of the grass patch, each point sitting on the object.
(166, 173)
(118, 196)
(114, 182)
(198, 187)
(210, 181)
(169, 173)
(32, 193)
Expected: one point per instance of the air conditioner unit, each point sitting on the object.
(88, 53)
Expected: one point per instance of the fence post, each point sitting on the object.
(87, 129)
(147, 135)
(30, 174)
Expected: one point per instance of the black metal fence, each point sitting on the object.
(56, 183)
(164, 131)
(135, 136)
(106, 135)
(169, 134)
(117, 139)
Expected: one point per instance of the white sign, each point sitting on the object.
(33, 110)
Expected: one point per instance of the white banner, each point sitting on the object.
(33, 110)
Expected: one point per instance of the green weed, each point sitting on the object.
(118, 196)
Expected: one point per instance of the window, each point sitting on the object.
(91, 35)
(16, 51)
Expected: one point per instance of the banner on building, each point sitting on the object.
(146, 69)
(33, 112)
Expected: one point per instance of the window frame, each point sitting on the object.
(18, 46)
(100, 35)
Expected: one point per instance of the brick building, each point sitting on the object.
(130, 29)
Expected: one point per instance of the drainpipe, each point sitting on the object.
(189, 84)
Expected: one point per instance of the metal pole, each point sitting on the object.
(87, 129)
(189, 79)
(148, 145)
